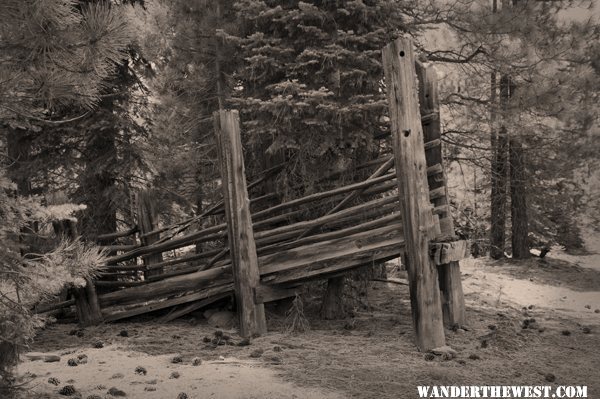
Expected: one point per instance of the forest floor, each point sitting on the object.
(370, 355)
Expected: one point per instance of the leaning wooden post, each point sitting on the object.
(147, 216)
(246, 275)
(453, 302)
(417, 212)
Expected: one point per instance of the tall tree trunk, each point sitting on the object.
(499, 178)
(518, 200)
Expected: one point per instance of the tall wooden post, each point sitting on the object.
(453, 302)
(242, 247)
(417, 212)
(147, 216)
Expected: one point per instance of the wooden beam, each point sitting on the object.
(312, 254)
(446, 252)
(113, 315)
(246, 275)
(267, 293)
(453, 303)
(337, 266)
(192, 307)
(417, 213)
(350, 197)
(323, 195)
(170, 286)
(118, 234)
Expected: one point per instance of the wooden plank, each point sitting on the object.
(331, 249)
(323, 195)
(453, 305)
(48, 307)
(446, 252)
(170, 286)
(337, 266)
(192, 307)
(350, 197)
(119, 248)
(118, 234)
(208, 234)
(417, 214)
(380, 222)
(112, 315)
(246, 275)
(266, 293)
(355, 210)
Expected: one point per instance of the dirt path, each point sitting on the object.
(115, 367)
(568, 293)
(368, 355)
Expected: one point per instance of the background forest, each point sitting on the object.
(102, 99)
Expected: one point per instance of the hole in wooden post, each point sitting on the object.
(406, 132)
(401, 53)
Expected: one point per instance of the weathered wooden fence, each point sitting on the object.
(264, 248)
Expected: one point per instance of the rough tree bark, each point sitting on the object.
(499, 179)
(518, 200)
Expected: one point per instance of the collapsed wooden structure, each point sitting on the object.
(264, 249)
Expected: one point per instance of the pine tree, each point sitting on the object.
(528, 47)
(55, 53)
(310, 90)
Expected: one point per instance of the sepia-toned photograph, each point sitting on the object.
(301, 199)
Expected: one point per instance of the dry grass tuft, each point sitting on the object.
(296, 321)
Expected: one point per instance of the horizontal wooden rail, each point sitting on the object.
(122, 248)
(324, 194)
(372, 224)
(113, 315)
(118, 234)
(305, 256)
(324, 219)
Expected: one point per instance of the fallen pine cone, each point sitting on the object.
(67, 390)
(257, 353)
(116, 392)
(177, 359)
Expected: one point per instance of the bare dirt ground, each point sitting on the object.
(369, 355)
